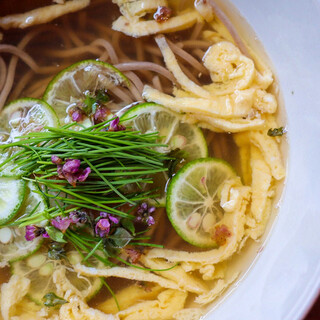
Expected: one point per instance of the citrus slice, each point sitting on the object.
(13, 245)
(19, 118)
(151, 117)
(72, 86)
(40, 270)
(12, 193)
(193, 199)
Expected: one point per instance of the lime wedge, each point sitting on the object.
(193, 199)
(72, 85)
(13, 245)
(12, 193)
(40, 269)
(19, 118)
(151, 117)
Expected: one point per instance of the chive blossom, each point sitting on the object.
(71, 171)
(144, 214)
(78, 217)
(133, 255)
(75, 217)
(101, 114)
(33, 232)
(115, 126)
(76, 114)
(61, 223)
(102, 228)
(112, 218)
(71, 166)
(56, 160)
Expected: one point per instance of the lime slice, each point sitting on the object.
(13, 245)
(151, 117)
(12, 193)
(40, 269)
(19, 118)
(72, 85)
(26, 115)
(193, 199)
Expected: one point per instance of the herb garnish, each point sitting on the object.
(55, 234)
(87, 212)
(276, 132)
(93, 101)
(56, 251)
(52, 300)
(93, 106)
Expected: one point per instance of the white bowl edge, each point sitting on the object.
(285, 280)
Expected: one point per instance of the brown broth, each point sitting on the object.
(90, 24)
(18, 6)
(5, 275)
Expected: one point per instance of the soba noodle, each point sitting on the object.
(235, 129)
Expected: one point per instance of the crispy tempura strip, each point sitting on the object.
(26, 309)
(256, 230)
(261, 204)
(138, 29)
(242, 140)
(235, 105)
(204, 9)
(11, 293)
(188, 314)
(232, 194)
(235, 223)
(129, 296)
(261, 182)
(230, 70)
(265, 102)
(224, 125)
(77, 309)
(219, 287)
(139, 8)
(41, 15)
(168, 303)
(184, 280)
(127, 273)
(270, 152)
(172, 64)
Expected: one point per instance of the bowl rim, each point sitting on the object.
(278, 285)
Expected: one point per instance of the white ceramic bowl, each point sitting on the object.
(284, 281)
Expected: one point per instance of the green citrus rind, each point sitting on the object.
(183, 198)
(19, 248)
(17, 189)
(194, 135)
(46, 117)
(61, 89)
(29, 102)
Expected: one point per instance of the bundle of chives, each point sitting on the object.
(122, 163)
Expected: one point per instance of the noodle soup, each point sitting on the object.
(140, 159)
